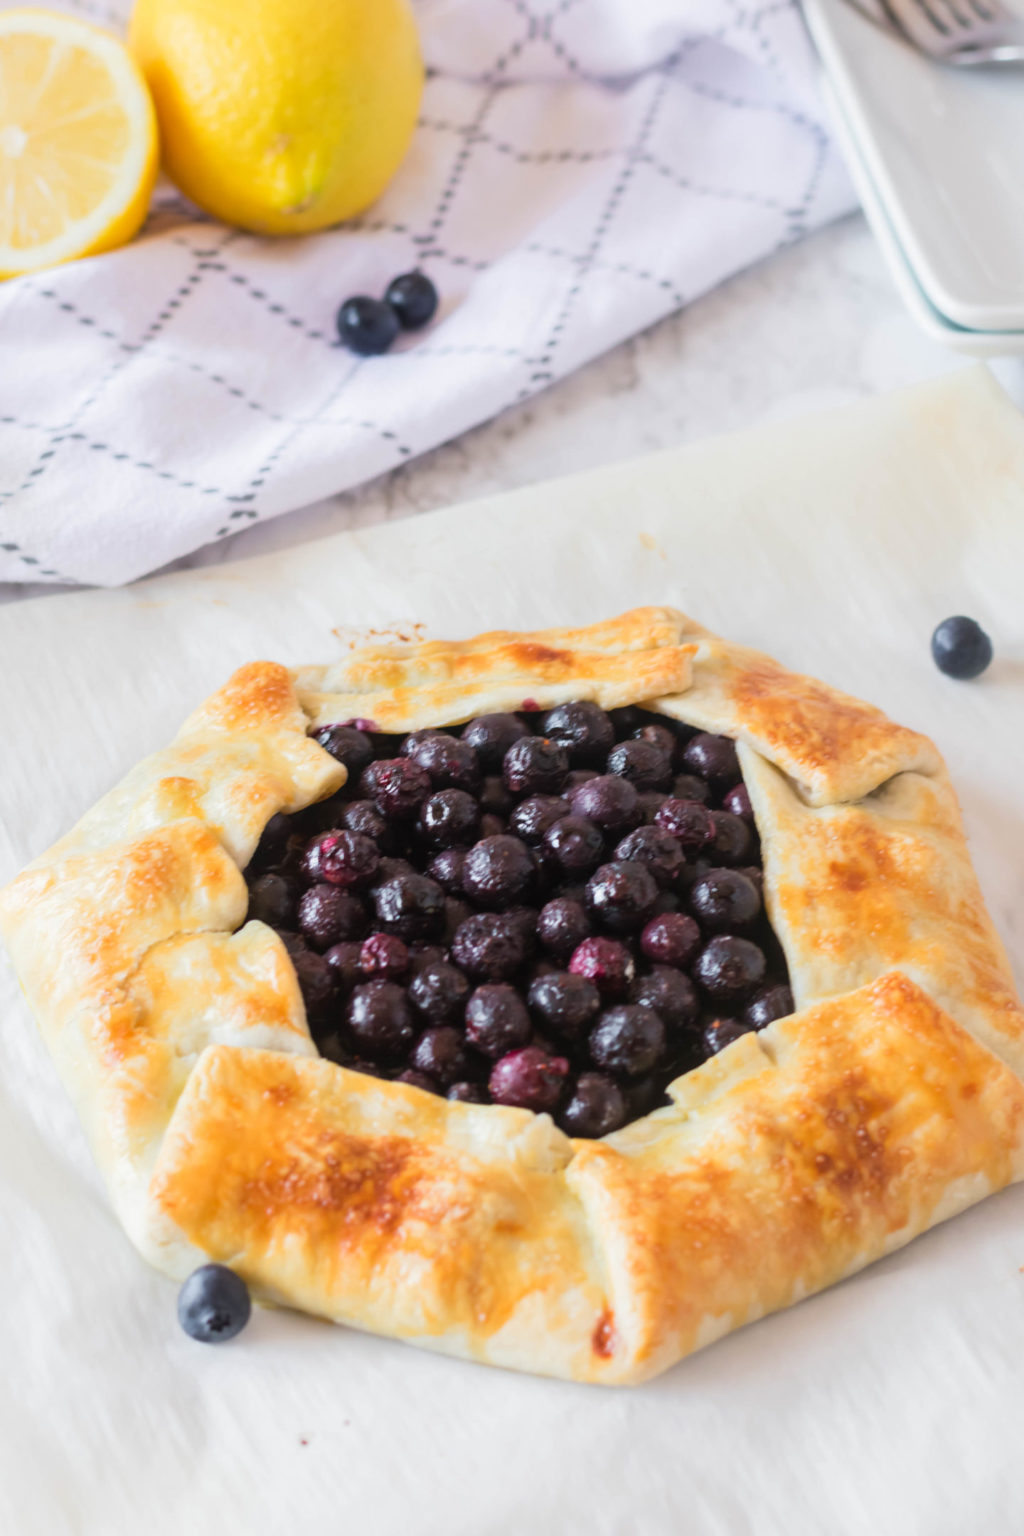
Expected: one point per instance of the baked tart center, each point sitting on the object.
(560, 911)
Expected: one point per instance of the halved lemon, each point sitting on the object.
(78, 141)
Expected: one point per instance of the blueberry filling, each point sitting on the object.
(560, 912)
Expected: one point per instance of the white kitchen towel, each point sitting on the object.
(581, 168)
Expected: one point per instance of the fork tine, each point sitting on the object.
(921, 23)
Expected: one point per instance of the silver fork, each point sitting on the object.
(960, 32)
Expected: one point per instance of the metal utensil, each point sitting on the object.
(960, 32)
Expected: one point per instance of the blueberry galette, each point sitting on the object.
(562, 1000)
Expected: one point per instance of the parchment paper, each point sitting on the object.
(894, 1402)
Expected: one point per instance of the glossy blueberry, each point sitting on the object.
(610, 801)
(294, 943)
(525, 919)
(961, 648)
(656, 849)
(397, 786)
(316, 983)
(467, 1093)
(535, 765)
(729, 969)
(620, 896)
(411, 906)
(658, 735)
(490, 736)
(712, 758)
(724, 901)
(722, 1032)
(732, 841)
(562, 925)
(564, 1002)
(446, 869)
(380, 1020)
(737, 802)
(273, 842)
(449, 819)
(532, 817)
(455, 913)
(627, 1041)
(385, 956)
(273, 899)
(495, 797)
(644, 764)
(605, 962)
(771, 1003)
(418, 1079)
(413, 298)
(687, 786)
(671, 938)
(390, 869)
(451, 762)
(343, 960)
(213, 1304)
(583, 729)
(489, 946)
(441, 1053)
(422, 954)
(628, 719)
(596, 1106)
(671, 995)
(688, 821)
(346, 744)
(497, 1020)
(649, 803)
(363, 817)
(438, 992)
(328, 915)
(498, 872)
(575, 844)
(529, 1079)
(346, 859)
(367, 326)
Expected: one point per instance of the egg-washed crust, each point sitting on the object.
(890, 1100)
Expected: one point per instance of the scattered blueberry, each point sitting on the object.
(213, 1304)
(961, 648)
(367, 326)
(413, 298)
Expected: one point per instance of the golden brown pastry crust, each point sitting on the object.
(888, 1101)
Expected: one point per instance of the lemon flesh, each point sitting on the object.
(281, 116)
(78, 141)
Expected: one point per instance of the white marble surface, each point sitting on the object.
(815, 326)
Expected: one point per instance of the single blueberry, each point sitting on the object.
(628, 1040)
(562, 925)
(961, 648)
(213, 1304)
(497, 1020)
(529, 1079)
(596, 1107)
(413, 298)
(490, 736)
(367, 326)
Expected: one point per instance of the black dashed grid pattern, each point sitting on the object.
(569, 177)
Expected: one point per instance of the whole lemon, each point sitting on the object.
(281, 115)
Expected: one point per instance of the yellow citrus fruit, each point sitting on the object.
(78, 141)
(281, 115)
